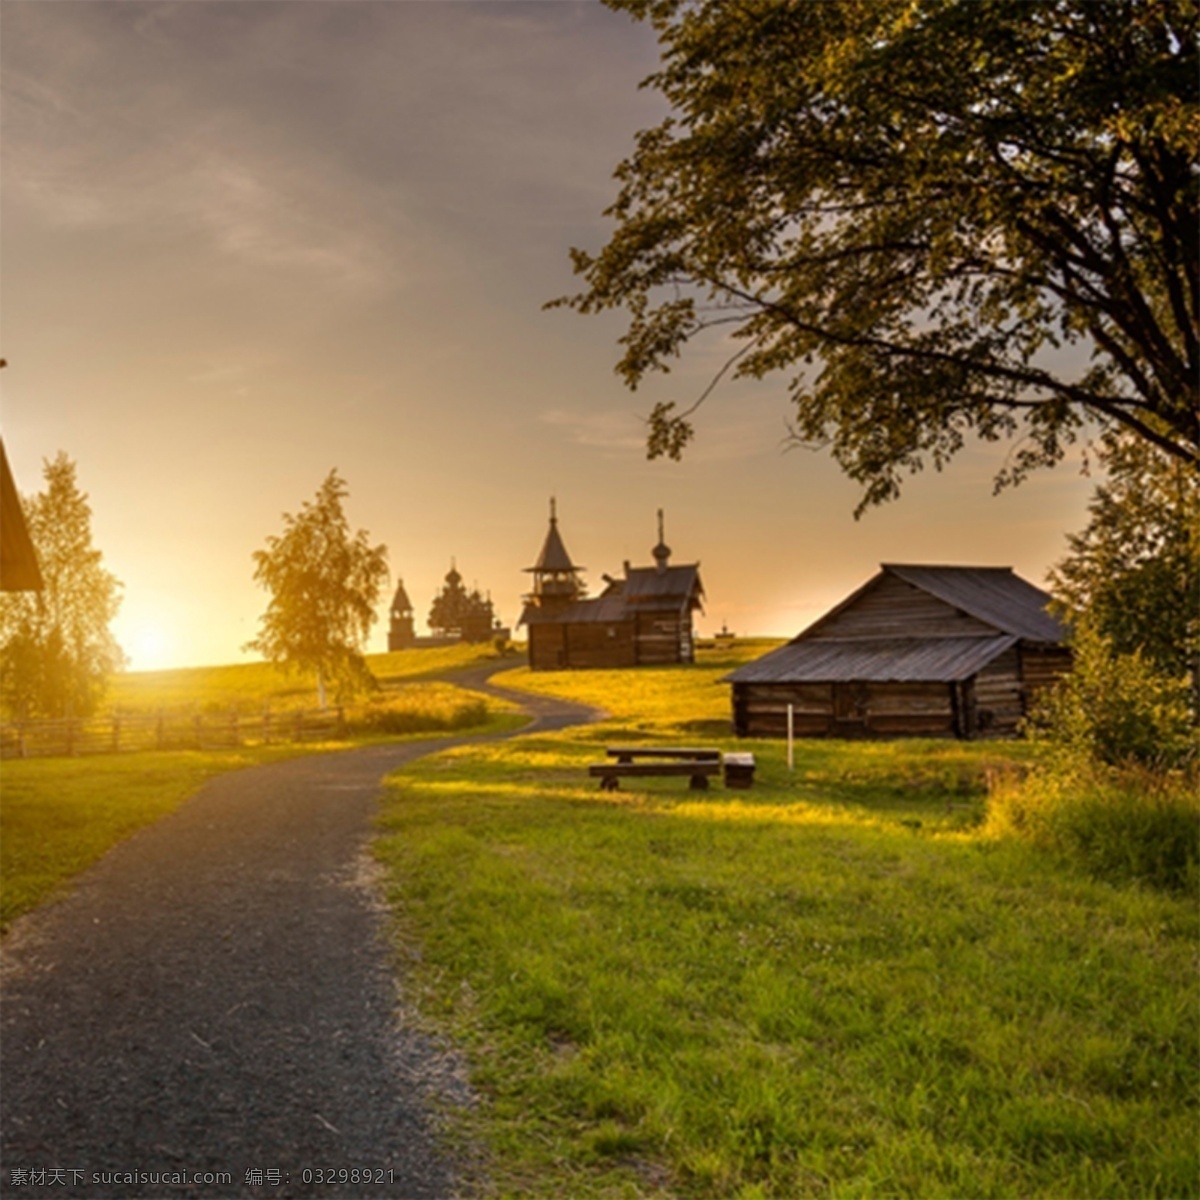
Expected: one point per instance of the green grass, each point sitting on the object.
(686, 701)
(833, 984)
(247, 687)
(59, 815)
(1122, 823)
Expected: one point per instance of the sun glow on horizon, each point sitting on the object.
(150, 646)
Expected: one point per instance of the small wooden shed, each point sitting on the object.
(931, 651)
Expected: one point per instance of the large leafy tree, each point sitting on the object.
(940, 219)
(1134, 570)
(325, 585)
(58, 648)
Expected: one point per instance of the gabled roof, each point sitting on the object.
(993, 594)
(879, 660)
(1013, 608)
(19, 571)
(609, 606)
(671, 587)
(644, 589)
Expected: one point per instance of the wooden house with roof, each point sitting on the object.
(643, 618)
(917, 650)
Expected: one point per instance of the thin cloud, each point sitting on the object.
(611, 431)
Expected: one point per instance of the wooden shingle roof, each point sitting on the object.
(554, 557)
(671, 587)
(19, 571)
(882, 660)
(1008, 609)
(996, 595)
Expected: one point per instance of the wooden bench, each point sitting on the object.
(628, 754)
(697, 763)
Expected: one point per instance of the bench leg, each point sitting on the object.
(609, 783)
(699, 783)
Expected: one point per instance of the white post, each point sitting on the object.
(791, 738)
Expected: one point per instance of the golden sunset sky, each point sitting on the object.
(247, 242)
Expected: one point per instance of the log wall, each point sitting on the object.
(663, 638)
(559, 647)
(649, 639)
(830, 710)
(1043, 668)
(999, 697)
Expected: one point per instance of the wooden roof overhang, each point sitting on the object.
(19, 570)
(607, 608)
(878, 660)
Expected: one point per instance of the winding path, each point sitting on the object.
(214, 1004)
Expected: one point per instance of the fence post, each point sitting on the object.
(21, 752)
(116, 732)
(266, 722)
(196, 729)
(233, 724)
(70, 737)
(298, 733)
(791, 738)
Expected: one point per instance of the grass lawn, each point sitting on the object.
(247, 687)
(830, 985)
(59, 815)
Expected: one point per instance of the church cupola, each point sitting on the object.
(661, 552)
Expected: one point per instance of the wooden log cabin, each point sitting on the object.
(641, 619)
(927, 651)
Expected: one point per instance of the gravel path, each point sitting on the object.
(214, 1005)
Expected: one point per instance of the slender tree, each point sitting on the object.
(325, 586)
(939, 219)
(58, 648)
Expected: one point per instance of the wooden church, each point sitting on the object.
(641, 619)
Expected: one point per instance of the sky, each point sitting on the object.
(245, 242)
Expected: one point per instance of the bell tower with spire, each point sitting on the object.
(401, 633)
(556, 580)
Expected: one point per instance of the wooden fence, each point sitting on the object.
(192, 730)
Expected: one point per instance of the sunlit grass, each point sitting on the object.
(59, 815)
(248, 687)
(690, 701)
(830, 985)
